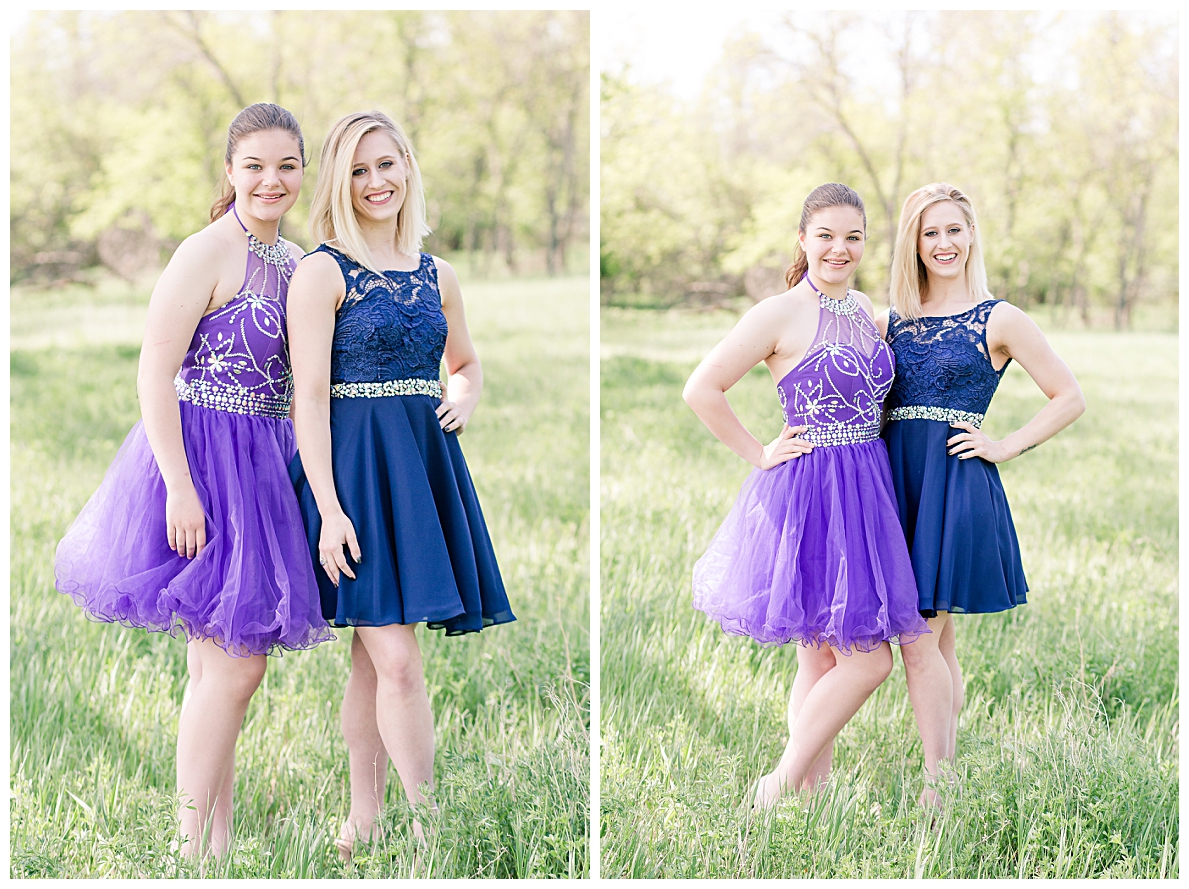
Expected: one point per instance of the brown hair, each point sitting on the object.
(832, 194)
(255, 119)
(909, 279)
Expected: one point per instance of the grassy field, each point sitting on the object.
(1067, 747)
(94, 706)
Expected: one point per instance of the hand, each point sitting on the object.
(450, 416)
(337, 532)
(185, 522)
(785, 447)
(973, 442)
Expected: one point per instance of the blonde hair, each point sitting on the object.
(332, 216)
(832, 194)
(909, 277)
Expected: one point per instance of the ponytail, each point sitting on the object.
(832, 194)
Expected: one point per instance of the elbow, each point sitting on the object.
(690, 393)
(1077, 404)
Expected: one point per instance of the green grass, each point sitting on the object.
(94, 706)
(1068, 742)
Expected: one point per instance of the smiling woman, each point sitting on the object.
(811, 550)
(195, 528)
(391, 514)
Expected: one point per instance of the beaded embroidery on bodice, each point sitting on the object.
(838, 388)
(943, 368)
(238, 359)
(390, 327)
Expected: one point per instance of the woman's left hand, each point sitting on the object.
(973, 442)
(450, 416)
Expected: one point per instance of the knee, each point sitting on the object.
(876, 667)
(919, 654)
(242, 676)
(881, 669)
(398, 670)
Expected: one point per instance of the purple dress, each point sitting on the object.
(252, 588)
(812, 549)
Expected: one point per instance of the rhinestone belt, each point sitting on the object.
(232, 399)
(388, 387)
(833, 434)
(927, 412)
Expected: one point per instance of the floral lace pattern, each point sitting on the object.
(238, 360)
(838, 388)
(390, 326)
(943, 362)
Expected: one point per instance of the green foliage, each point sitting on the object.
(120, 122)
(1061, 127)
(94, 706)
(1068, 741)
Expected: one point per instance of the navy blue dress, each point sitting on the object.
(960, 535)
(402, 481)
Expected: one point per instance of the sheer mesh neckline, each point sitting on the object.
(955, 315)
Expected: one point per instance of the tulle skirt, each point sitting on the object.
(812, 551)
(426, 553)
(251, 589)
(965, 554)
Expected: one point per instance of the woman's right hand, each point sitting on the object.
(786, 446)
(337, 532)
(185, 521)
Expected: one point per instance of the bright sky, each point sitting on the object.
(663, 47)
(681, 49)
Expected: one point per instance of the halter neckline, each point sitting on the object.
(848, 305)
(277, 254)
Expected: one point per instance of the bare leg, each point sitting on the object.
(225, 801)
(830, 704)
(812, 664)
(367, 756)
(931, 691)
(402, 707)
(207, 729)
(947, 645)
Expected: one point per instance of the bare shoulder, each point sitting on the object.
(448, 286)
(445, 270)
(317, 270)
(207, 248)
(1007, 319)
(773, 309)
(865, 301)
(295, 250)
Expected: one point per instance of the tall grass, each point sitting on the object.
(1067, 746)
(94, 706)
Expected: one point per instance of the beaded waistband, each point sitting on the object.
(833, 434)
(928, 412)
(232, 399)
(386, 388)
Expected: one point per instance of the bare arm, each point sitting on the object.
(464, 374)
(1012, 334)
(315, 293)
(753, 339)
(182, 294)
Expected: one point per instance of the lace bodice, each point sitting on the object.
(390, 326)
(943, 368)
(238, 359)
(838, 388)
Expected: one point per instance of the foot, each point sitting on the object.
(768, 791)
(351, 833)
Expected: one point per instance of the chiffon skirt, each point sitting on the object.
(251, 589)
(426, 553)
(812, 551)
(965, 554)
